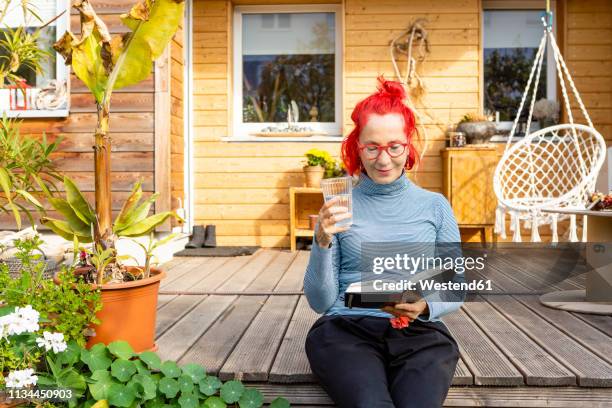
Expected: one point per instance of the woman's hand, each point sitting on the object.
(329, 215)
(409, 310)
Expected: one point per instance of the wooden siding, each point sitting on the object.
(243, 187)
(177, 64)
(137, 141)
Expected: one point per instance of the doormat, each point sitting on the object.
(219, 251)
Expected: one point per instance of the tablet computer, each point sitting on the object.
(355, 297)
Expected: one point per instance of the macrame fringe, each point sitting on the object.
(584, 228)
(500, 221)
(573, 236)
(553, 227)
(517, 227)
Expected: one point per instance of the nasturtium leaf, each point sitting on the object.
(209, 385)
(141, 367)
(188, 400)
(69, 356)
(231, 391)
(123, 370)
(170, 369)
(148, 386)
(195, 371)
(70, 378)
(100, 387)
(151, 359)
(185, 383)
(250, 398)
(169, 387)
(96, 358)
(121, 395)
(214, 402)
(121, 349)
(279, 402)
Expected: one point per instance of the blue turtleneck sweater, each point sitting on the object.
(399, 211)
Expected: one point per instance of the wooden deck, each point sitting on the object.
(247, 318)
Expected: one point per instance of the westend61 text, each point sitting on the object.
(401, 285)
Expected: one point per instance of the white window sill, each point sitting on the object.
(329, 139)
(34, 113)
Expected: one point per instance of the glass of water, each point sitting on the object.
(339, 187)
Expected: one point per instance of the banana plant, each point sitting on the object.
(105, 63)
(79, 221)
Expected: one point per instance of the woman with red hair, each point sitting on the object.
(400, 356)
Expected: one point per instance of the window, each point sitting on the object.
(287, 69)
(510, 41)
(46, 93)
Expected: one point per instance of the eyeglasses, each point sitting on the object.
(372, 151)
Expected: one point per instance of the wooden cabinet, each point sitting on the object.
(468, 185)
(303, 201)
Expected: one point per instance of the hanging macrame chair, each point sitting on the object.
(553, 168)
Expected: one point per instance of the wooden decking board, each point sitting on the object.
(264, 335)
(514, 269)
(590, 370)
(532, 397)
(176, 273)
(214, 347)
(489, 365)
(273, 272)
(533, 362)
(600, 322)
(596, 341)
(162, 300)
(174, 310)
(174, 343)
(536, 275)
(293, 279)
(211, 282)
(462, 376)
(291, 363)
(247, 274)
(495, 273)
(196, 274)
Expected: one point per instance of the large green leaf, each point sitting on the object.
(153, 23)
(90, 53)
(137, 214)
(78, 202)
(123, 219)
(72, 219)
(63, 229)
(147, 225)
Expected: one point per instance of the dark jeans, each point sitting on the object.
(361, 361)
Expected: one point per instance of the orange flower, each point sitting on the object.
(399, 322)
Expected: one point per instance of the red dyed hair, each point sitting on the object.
(388, 99)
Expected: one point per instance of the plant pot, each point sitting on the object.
(314, 175)
(477, 132)
(129, 310)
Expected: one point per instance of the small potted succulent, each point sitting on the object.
(316, 163)
(477, 128)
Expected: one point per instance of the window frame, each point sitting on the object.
(522, 5)
(241, 130)
(62, 24)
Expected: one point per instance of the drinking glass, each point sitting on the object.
(339, 187)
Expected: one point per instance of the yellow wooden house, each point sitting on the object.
(190, 131)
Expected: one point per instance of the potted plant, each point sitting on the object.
(129, 294)
(477, 128)
(316, 162)
(104, 64)
(546, 112)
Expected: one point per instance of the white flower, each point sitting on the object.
(21, 378)
(24, 320)
(52, 341)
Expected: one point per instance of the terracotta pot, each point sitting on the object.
(314, 175)
(128, 311)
